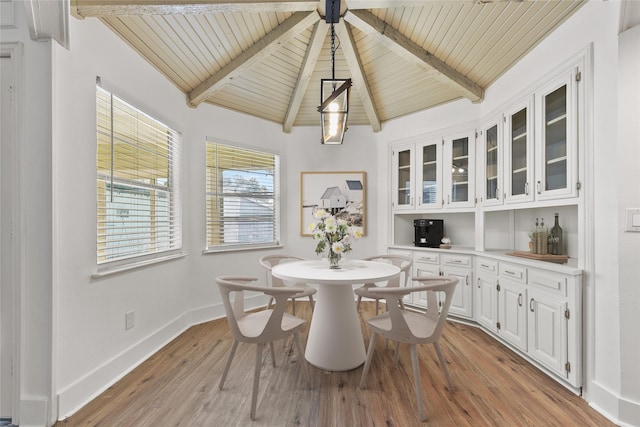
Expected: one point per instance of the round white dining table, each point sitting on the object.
(335, 341)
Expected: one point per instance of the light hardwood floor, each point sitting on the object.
(178, 386)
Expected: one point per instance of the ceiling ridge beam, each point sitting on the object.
(304, 76)
(103, 8)
(264, 47)
(400, 44)
(357, 74)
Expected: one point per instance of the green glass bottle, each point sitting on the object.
(557, 245)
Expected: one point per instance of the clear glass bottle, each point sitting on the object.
(534, 238)
(542, 239)
(557, 242)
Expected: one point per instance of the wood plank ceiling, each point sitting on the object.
(266, 58)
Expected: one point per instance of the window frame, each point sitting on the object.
(164, 238)
(276, 211)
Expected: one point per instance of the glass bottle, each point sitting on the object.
(534, 238)
(557, 247)
(542, 239)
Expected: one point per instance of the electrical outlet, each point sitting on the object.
(129, 320)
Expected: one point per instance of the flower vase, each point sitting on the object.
(334, 259)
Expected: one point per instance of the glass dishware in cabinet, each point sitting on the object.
(403, 158)
(459, 174)
(490, 186)
(556, 110)
(429, 171)
(518, 131)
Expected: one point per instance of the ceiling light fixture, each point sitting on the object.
(334, 93)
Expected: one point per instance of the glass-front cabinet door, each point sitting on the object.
(459, 172)
(490, 187)
(403, 176)
(429, 174)
(556, 175)
(518, 131)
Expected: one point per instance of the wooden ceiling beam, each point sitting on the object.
(304, 76)
(264, 47)
(357, 74)
(103, 8)
(400, 44)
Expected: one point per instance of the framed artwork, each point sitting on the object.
(343, 194)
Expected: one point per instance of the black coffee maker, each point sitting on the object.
(428, 232)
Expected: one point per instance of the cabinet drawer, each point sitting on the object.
(429, 258)
(513, 272)
(456, 260)
(487, 266)
(555, 283)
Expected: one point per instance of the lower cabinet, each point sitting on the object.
(460, 266)
(535, 309)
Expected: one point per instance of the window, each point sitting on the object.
(138, 185)
(242, 197)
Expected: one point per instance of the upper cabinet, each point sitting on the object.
(529, 153)
(437, 173)
(557, 150)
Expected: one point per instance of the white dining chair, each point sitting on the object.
(412, 327)
(268, 261)
(261, 327)
(403, 262)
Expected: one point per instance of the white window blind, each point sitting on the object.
(138, 183)
(242, 197)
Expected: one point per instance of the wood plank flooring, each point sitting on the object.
(178, 386)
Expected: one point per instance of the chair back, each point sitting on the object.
(232, 290)
(404, 263)
(268, 261)
(414, 327)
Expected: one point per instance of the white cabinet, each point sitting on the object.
(427, 263)
(518, 131)
(434, 173)
(536, 311)
(490, 163)
(459, 170)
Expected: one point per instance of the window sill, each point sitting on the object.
(239, 249)
(133, 266)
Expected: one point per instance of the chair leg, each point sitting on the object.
(396, 353)
(311, 302)
(256, 380)
(367, 363)
(443, 363)
(358, 303)
(293, 304)
(303, 361)
(269, 303)
(377, 305)
(232, 352)
(273, 354)
(416, 377)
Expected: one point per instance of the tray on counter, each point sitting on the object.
(558, 259)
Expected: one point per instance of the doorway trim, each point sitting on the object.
(14, 51)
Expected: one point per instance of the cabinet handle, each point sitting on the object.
(448, 199)
(478, 281)
(526, 188)
(531, 305)
(519, 300)
(419, 201)
(412, 201)
(497, 193)
(509, 272)
(484, 265)
(454, 261)
(539, 187)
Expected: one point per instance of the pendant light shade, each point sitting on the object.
(334, 109)
(334, 93)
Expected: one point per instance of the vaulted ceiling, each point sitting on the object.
(266, 58)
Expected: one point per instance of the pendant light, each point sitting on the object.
(334, 93)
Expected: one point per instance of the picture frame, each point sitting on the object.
(341, 193)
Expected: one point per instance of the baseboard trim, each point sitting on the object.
(72, 398)
(617, 409)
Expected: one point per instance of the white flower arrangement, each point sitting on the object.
(336, 235)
